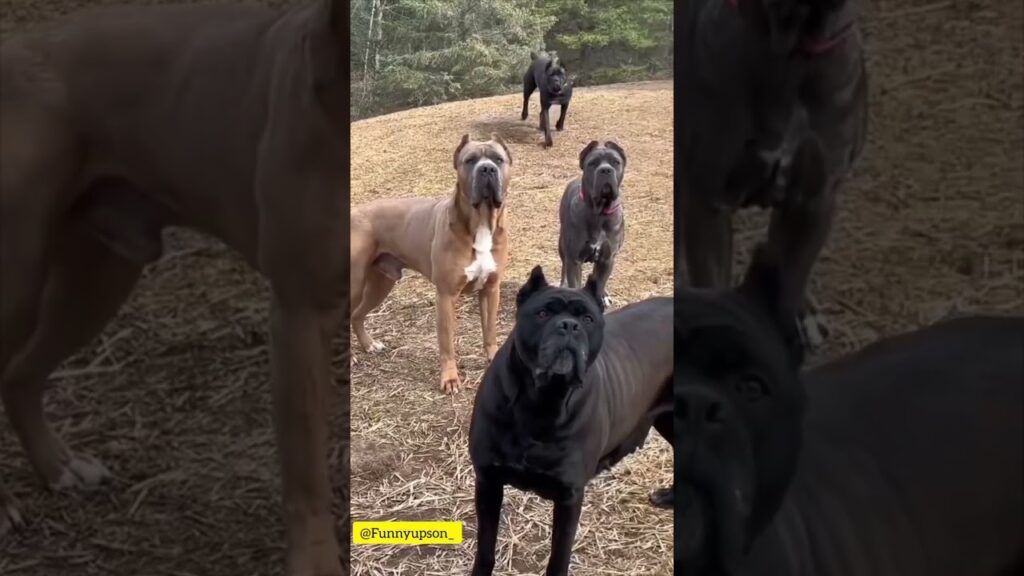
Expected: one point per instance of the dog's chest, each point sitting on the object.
(552, 470)
(483, 265)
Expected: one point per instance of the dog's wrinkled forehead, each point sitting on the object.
(721, 332)
(471, 152)
(603, 154)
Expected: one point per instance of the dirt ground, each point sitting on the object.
(174, 396)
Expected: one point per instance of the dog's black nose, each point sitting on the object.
(605, 171)
(568, 326)
(488, 169)
(702, 408)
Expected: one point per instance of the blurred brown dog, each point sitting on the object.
(459, 243)
(224, 118)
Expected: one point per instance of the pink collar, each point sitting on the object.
(818, 46)
(606, 211)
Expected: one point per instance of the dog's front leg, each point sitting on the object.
(545, 123)
(602, 272)
(563, 534)
(800, 227)
(707, 241)
(560, 125)
(572, 272)
(301, 372)
(488, 300)
(446, 323)
(489, 496)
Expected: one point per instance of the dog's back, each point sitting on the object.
(939, 413)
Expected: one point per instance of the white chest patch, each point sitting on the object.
(483, 264)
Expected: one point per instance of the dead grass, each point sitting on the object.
(410, 459)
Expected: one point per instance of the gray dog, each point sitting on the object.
(592, 224)
(774, 116)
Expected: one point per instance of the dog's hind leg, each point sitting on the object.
(529, 85)
(86, 285)
(376, 287)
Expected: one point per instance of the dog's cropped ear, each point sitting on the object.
(583, 153)
(615, 146)
(501, 142)
(591, 288)
(535, 283)
(462, 144)
(763, 285)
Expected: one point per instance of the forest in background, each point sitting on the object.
(411, 53)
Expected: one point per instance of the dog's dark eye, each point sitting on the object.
(499, 161)
(615, 162)
(588, 319)
(750, 388)
(470, 160)
(542, 314)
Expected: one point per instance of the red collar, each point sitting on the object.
(818, 46)
(606, 211)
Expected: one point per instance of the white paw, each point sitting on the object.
(375, 347)
(607, 301)
(81, 471)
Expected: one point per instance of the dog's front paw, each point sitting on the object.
(812, 328)
(491, 350)
(80, 471)
(10, 516)
(663, 498)
(559, 127)
(375, 347)
(450, 382)
(607, 300)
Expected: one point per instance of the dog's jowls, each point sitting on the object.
(569, 394)
(903, 459)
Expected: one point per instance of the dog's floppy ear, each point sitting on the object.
(591, 288)
(763, 285)
(535, 283)
(583, 153)
(462, 144)
(504, 147)
(615, 146)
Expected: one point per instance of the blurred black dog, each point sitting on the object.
(903, 459)
(774, 115)
(569, 394)
(547, 75)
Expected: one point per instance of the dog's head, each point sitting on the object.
(557, 78)
(483, 170)
(787, 23)
(738, 415)
(603, 165)
(559, 331)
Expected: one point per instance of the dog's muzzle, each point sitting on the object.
(606, 187)
(487, 184)
(563, 351)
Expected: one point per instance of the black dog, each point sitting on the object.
(547, 75)
(569, 394)
(592, 226)
(774, 115)
(903, 459)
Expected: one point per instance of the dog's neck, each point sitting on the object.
(606, 211)
(547, 405)
(835, 31)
